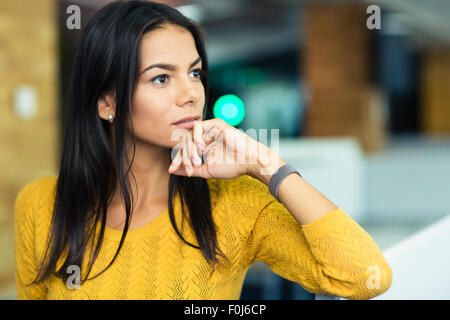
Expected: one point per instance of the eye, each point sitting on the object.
(160, 77)
(198, 73)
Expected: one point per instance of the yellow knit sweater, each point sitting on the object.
(332, 255)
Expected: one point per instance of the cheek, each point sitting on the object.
(149, 115)
(150, 102)
(201, 102)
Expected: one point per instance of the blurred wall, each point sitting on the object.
(28, 118)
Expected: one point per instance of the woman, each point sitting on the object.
(181, 228)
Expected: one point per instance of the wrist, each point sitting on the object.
(267, 163)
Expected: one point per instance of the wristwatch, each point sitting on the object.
(278, 176)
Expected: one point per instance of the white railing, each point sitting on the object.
(421, 265)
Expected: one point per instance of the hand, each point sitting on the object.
(227, 152)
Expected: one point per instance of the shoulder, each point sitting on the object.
(36, 195)
(39, 187)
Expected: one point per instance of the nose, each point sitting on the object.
(188, 92)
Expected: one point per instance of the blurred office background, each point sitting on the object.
(363, 114)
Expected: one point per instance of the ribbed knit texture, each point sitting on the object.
(331, 255)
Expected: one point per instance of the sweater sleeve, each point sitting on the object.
(332, 255)
(24, 249)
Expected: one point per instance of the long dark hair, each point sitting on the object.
(109, 59)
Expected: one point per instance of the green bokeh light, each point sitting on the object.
(230, 108)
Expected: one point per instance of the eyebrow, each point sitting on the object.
(170, 66)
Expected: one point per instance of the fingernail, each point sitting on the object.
(189, 171)
(196, 158)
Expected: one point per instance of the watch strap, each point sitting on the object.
(278, 176)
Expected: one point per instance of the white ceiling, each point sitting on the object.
(429, 19)
(249, 28)
(239, 29)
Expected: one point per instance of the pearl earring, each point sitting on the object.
(111, 118)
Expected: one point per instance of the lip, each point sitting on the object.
(192, 118)
(186, 125)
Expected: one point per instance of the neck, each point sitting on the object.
(151, 178)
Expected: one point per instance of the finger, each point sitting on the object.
(176, 162)
(208, 136)
(192, 146)
(196, 158)
(210, 152)
(198, 133)
(186, 156)
(214, 135)
(177, 168)
(193, 154)
(218, 123)
(210, 146)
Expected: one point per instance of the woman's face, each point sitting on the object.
(163, 96)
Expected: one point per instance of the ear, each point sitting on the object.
(106, 106)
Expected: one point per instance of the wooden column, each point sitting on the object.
(337, 65)
(436, 91)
